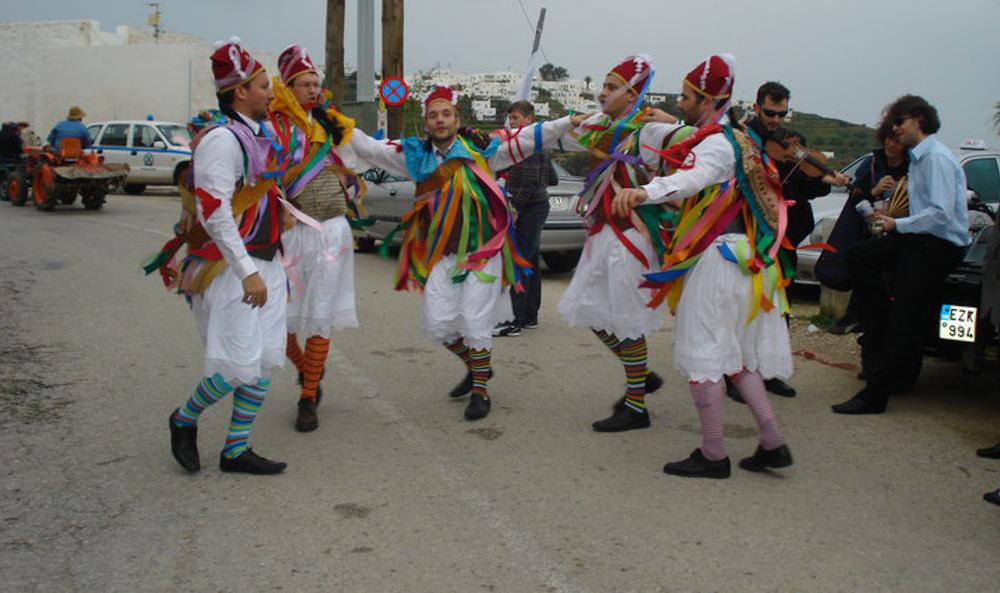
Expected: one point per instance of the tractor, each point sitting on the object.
(57, 177)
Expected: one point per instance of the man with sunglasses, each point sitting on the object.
(917, 252)
(770, 111)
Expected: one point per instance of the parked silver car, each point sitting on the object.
(982, 172)
(563, 235)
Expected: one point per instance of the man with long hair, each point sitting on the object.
(918, 251)
(232, 276)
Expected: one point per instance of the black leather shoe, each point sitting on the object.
(623, 419)
(184, 444)
(990, 452)
(653, 383)
(465, 386)
(992, 496)
(696, 466)
(249, 462)
(307, 420)
(732, 392)
(779, 387)
(859, 405)
(478, 407)
(763, 459)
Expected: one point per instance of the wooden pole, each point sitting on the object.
(392, 57)
(334, 69)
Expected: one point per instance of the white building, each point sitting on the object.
(49, 66)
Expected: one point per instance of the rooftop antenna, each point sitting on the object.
(154, 20)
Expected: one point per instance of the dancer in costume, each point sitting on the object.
(319, 248)
(235, 283)
(605, 293)
(458, 245)
(722, 274)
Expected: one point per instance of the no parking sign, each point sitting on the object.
(393, 91)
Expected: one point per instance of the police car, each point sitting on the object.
(155, 151)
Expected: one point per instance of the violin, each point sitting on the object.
(785, 147)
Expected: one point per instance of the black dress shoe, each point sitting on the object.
(990, 452)
(249, 462)
(184, 444)
(992, 496)
(696, 466)
(732, 392)
(779, 387)
(478, 407)
(763, 459)
(623, 419)
(307, 420)
(859, 405)
(465, 386)
(653, 383)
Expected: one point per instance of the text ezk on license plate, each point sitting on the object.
(958, 323)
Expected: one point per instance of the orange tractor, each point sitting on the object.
(59, 177)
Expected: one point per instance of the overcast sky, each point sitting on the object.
(843, 58)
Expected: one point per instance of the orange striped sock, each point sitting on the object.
(315, 358)
(294, 353)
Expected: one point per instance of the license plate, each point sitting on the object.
(558, 203)
(958, 323)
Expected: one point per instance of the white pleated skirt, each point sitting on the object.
(604, 292)
(242, 343)
(469, 309)
(711, 334)
(321, 278)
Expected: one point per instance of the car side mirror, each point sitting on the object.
(159, 144)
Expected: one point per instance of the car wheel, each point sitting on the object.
(134, 189)
(561, 261)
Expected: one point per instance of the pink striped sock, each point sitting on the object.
(708, 399)
(751, 387)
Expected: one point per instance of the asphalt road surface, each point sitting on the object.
(396, 492)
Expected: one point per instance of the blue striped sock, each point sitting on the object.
(208, 391)
(247, 400)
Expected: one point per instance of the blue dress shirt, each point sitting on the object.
(937, 190)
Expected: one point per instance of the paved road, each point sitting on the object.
(395, 492)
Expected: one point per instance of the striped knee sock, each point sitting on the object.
(633, 355)
(479, 366)
(208, 391)
(751, 387)
(459, 349)
(610, 340)
(708, 399)
(294, 353)
(247, 400)
(317, 348)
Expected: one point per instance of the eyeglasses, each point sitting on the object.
(898, 122)
(773, 113)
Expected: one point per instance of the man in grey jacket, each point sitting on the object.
(527, 191)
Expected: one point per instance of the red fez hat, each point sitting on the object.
(713, 78)
(634, 71)
(232, 65)
(294, 61)
(440, 93)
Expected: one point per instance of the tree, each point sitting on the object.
(553, 72)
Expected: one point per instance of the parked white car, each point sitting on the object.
(155, 151)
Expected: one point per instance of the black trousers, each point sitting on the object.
(897, 281)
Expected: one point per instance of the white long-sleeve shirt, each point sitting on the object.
(218, 166)
(714, 163)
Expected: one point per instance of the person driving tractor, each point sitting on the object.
(71, 127)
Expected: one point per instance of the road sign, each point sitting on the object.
(393, 91)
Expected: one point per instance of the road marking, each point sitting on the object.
(498, 521)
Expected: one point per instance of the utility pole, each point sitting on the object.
(366, 50)
(154, 20)
(334, 70)
(392, 57)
